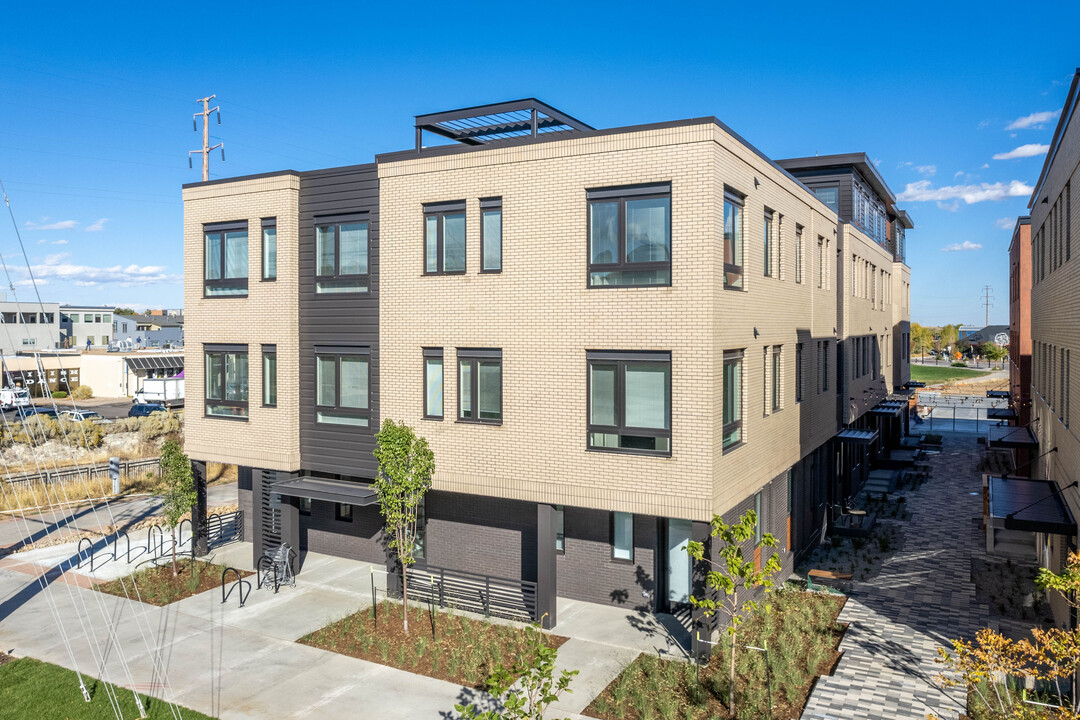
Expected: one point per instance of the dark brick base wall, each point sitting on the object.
(244, 503)
(361, 539)
(483, 535)
(586, 571)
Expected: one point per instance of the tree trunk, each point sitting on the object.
(173, 532)
(734, 631)
(405, 597)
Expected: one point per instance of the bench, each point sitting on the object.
(825, 575)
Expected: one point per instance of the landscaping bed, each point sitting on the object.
(30, 688)
(442, 645)
(802, 635)
(157, 586)
(935, 374)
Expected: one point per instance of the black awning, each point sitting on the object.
(887, 410)
(1010, 438)
(155, 362)
(1004, 413)
(1030, 505)
(915, 384)
(997, 393)
(338, 491)
(857, 437)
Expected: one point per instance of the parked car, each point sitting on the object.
(80, 415)
(21, 413)
(113, 347)
(145, 409)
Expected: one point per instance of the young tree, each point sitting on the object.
(733, 574)
(406, 465)
(178, 489)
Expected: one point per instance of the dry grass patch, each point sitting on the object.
(32, 497)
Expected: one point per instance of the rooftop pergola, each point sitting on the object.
(487, 124)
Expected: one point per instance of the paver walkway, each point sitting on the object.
(922, 597)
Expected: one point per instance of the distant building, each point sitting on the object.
(87, 325)
(997, 334)
(29, 326)
(1020, 319)
(964, 331)
(156, 330)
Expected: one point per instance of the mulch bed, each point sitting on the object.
(158, 586)
(441, 645)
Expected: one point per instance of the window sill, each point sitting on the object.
(621, 561)
(491, 272)
(496, 423)
(224, 297)
(264, 405)
(230, 418)
(732, 448)
(268, 279)
(437, 418)
(454, 272)
(627, 451)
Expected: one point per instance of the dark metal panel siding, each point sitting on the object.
(337, 319)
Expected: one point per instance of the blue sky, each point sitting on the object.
(97, 104)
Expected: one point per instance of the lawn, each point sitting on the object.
(802, 635)
(935, 374)
(442, 645)
(30, 688)
(157, 586)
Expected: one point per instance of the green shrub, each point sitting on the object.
(959, 364)
(60, 394)
(83, 392)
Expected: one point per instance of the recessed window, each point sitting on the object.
(630, 236)
(420, 531)
(830, 196)
(776, 395)
(733, 242)
(225, 255)
(342, 386)
(798, 372)
(798, 253)
(226, 381)
(269, 375)
(444, 238)
(343, 512)
(341, 254)
(630, 401)
(560, 529)
(732, 400)
(433, 383)
(768, 243)
(622, 536)
(821, 262)
(491, 234)
(305, 506)
(479, 385)
(758, 525)
(269, 249)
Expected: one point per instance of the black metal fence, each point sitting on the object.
(225, 528)
(128, 469)
(473, 592)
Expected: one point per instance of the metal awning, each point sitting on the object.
(1030, 505)
(486, 124)
(889, 407)
(997, 393)
(317, 488)
(1011, 438)
(155, 362)
(1005, 413)
(915, 384)
(857, 437)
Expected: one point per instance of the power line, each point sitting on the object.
(987, 297)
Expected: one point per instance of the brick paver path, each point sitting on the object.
(922, 597)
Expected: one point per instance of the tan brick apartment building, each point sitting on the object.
(607, 336)
(1020, 320)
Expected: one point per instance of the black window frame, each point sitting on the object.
(440, 211)
(799, 277)
(611, 536)
(338, 352)
(487, 205)
(430, 353)
(769, 226)
(777, 373)
(737, 200)
(733, 356)
(341, 514)
(336, 221)
(473, 357)
(267, 224)
(621, 194)
(560, 529)
(223, 282)
(799, 390)
(268, 351)
(305, 506)
(240, 405)
(621, 359)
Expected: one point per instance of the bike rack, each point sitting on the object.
(240, 581)
(116, 541)
(258, 571)
(78, 552)
(180, 532)
(161, 540)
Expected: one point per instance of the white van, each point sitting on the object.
(11, 398)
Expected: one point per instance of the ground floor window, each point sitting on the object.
(343, 512)
(622, 536)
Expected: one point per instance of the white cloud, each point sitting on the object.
(97, 225)
(42, 241)
(1034, 120)
(30, 283)
(87, 276)
(984, 166)
(949, 207)
(959, 173)
(924, 190)
(983, 123)
(926, 169)
(903, 164)
(55, 258)
(58, 225)
(1024, 151)
(1006, 223)
(966, 245)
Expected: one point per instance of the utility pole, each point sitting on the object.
(206, 135)
(986, 302)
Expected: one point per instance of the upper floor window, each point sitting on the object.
(733, 243)
(47, 317)
(88, 318)
(480, 385)
(798, 253)
(798, 372)
(342, 385)
(830, 196)
(630, 401)
(226, 380)
(269, 249)
(630, 235)
(768, 241)
(444, 238)
(269, 375)
(491, 234)
(341, 254)
(732, 400)
(226, 259)
(433, 383)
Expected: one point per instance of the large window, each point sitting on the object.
(630, 401)
(767, 243)
(491, 235)
(433, 383)
(342, 386)
(732, 401)
(269, 375)
(622, 536)
(479, 385)
(777, 398)
(630, 235)
(226, 381)
(225, 260)
(341, 254)
(830, 196)
(444, 238)
(733, 243)
(798, 253)
(798, 372)
(269, 249)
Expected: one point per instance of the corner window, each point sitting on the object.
(491, 234)
(341, 254)
(768, 242)
(622, 536)
(226, 381)
(630, 235)
(630, 401)
(269, 375)
(433, 383)
(444, 238)
(732, 400)
(343, 512)
(342, 386)
(305, 506)
(269, 249)
(733, 242)
(225, 253)
(479, 385)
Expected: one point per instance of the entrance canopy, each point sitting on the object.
(857, 437)
(1007, 437)
(317, 488)
(1030, 505)
(889, 407)
(1004, 413)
